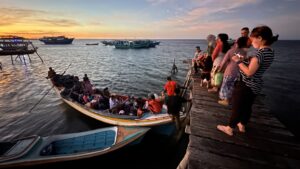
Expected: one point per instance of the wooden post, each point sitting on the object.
(39, 57)
(35, 48)
(24, 59)
(29, 57)
(12, 60)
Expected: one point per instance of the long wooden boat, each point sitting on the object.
(147, 120)
(65, 147)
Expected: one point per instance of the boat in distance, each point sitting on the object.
(91, 44)
(56, 40)
(35, 150)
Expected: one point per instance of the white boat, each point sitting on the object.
(65, 147)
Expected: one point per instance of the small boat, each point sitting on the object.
(121, 44)
(92, 44)
(108, 42)
(56, 40)
(65, 147)
(147, 119)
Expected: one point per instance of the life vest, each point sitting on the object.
(170, 87)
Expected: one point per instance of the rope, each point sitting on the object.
(47, 91)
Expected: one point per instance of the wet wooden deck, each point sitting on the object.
(266, 144)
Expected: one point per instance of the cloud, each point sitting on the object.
(12, 16)
(58, 22)
(203, 13)
(96, 23)
(157, 2)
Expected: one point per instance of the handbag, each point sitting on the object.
(218, 78)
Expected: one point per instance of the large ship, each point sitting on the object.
(56, 40)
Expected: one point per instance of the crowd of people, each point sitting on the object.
(235, 71)
(230, 69)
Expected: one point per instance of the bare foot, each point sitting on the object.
(225, 129)
(241, 127)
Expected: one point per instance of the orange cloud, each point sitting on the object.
(58, 22)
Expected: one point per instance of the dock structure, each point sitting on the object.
(266, 144)
(17, 46)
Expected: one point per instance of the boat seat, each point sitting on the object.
(95, 141)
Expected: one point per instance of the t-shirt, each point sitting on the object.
(155, 105)
(170, 87)
(265, 58)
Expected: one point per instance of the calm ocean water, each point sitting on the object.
(136, 72)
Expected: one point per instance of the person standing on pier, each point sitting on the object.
(245, 33)
(170, 87)
(250, 83)
(174, 105)
(231, 70)
(217, 57)
(196, 58)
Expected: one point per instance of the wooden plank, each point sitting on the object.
(223, 113)
(241, 153)
(254, 133)
(258, 131)
(206, 160)
(252, 124)
(247, 140)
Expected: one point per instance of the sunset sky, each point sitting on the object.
(162, 19)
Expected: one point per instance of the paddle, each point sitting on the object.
(48, 91)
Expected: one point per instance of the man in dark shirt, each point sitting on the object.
(174, 105)
(51, 73)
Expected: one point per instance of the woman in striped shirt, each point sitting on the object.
(250, 83)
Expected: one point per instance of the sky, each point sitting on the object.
(151, 19)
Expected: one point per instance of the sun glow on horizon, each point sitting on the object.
(153, 19)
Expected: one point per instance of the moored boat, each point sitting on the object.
(56, 40)
(65, 147)
(147, 119)
(92, 44)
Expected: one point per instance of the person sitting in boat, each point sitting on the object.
(129, 106)
(85, 78)
(94, 103)
(104, 100)
(51, 73)
(155, 104)
(113, 101)
(140, 106)
(87, 86)
(87, 98)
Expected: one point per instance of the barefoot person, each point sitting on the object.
(174, 105)
(250, 83)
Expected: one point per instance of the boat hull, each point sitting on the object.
(123, 136)
(57, 42)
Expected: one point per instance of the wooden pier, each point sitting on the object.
(266, 143)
